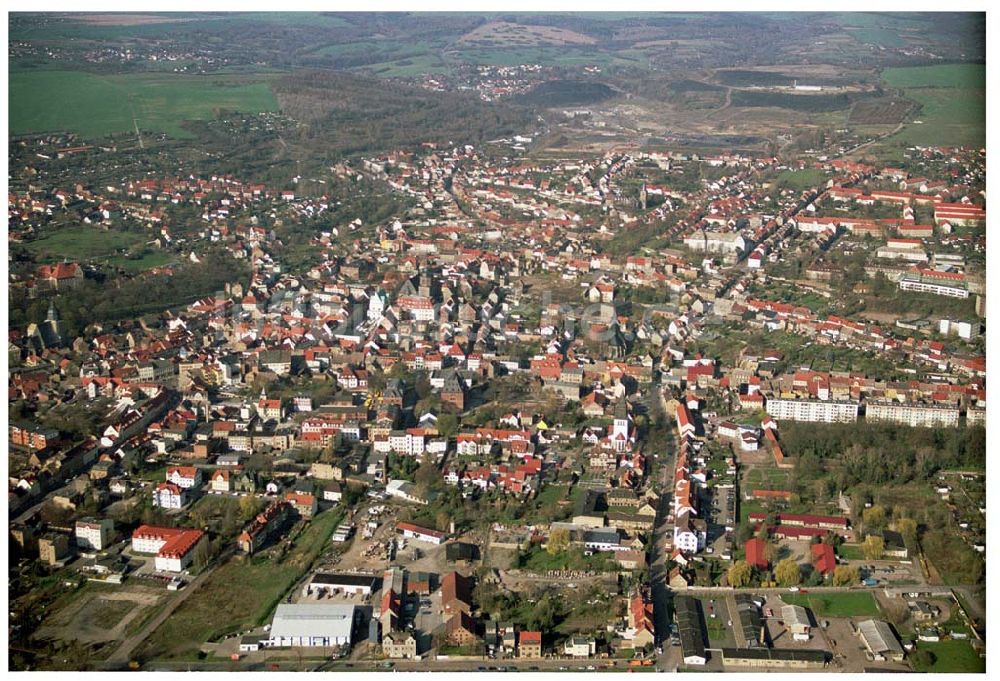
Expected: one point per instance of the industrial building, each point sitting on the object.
(880, 641)
(773, 658)
(323, 582)
(313, 625)
(692, 635)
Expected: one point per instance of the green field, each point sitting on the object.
(952, 99)
(953, 657)
(801, 179)
(850, 604)
(240, 594)
(183, 24)
(82, 243)
(851, 551)
(90, 244)
(94, 106)
(761, 477)
(962, 76)
(142, 261)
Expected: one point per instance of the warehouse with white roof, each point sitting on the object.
(313, 625)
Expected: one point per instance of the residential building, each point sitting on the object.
(169, 495)
(529, 644)
(580, 646)
(399, 645)
(174, 547)
(53, 548)
(916, 415)
(94, 534)
(812, 410)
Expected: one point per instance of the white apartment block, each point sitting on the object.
(813, 410)
(923, 285)
(94, 534)
(912, 414)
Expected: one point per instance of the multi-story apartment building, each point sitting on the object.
(94, 534)
(926, 415)
(912, 282)
(813, 410)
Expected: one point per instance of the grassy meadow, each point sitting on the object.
(98, 105)
(952, 99)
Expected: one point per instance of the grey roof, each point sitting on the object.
(795, 614)
(292, 620)
(879, 637)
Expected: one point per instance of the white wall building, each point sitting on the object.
(94, 534)
(916, 415)
(312, 625)
(813, 410)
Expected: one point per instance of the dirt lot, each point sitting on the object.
(102, 615)
(368, 554)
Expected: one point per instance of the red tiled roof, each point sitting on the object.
(823, 558)
(755, 553)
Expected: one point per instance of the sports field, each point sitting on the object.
(97, 105)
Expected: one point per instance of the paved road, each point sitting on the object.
(121, 657)
(658, 574)
(363, 666)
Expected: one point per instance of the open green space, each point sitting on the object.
(801, 179)
(952, 99)
(540, 560)
(951, 657)
(716, 628)
(181, 23)
(97, 105)
(82, 243)
(851, 551)
(240, 594)
(143, 260)
(961, 76)
(850, 604)
(766, 477)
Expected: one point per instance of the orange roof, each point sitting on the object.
(178, 545)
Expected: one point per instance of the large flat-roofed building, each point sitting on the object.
(925, 284)
(348, 583)
(880, 641)
(925, 415)
(313, 625)
(813, 410)
(774, 658)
